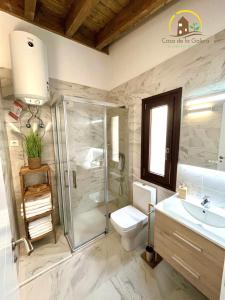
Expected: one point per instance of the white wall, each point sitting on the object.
(143, 49)
(68, 60)
(132, 55)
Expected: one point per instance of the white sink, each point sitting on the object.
(208, 222)
(209, 215)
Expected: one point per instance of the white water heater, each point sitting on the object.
(30, 69)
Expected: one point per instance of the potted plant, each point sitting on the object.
(33, 144)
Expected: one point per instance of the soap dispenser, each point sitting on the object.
(182, 191)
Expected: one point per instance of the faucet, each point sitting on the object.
(205, 201)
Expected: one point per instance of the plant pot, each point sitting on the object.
(34, 163)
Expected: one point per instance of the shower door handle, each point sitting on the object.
(74, 179)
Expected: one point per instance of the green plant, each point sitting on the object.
(33, 145)
(32, 141)
(194, 27)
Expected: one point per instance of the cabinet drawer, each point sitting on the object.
(193, 241)
(199, 260)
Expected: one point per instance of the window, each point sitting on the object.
(157, 147)
(160, 138)
(115, 138)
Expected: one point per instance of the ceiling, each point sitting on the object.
(95, 23)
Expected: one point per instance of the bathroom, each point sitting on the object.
(124, 217)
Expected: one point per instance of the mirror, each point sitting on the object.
(202, 141)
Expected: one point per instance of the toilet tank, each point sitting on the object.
(143, 195)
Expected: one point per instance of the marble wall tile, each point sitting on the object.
(199, 70)
(118, 178)
(17, 155)
(200, 137)
(7, 171)
(201, 182)
(59, 87)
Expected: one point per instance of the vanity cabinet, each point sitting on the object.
(196, 258)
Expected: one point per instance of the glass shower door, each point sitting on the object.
(63, 171)
(84, 171)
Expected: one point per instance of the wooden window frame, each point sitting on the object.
(173, 99)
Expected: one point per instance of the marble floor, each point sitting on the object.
(104, 271)
(46, 254)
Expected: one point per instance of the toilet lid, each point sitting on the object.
(128, 217)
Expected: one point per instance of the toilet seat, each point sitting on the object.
(128, 218)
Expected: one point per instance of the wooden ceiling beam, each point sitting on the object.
(80, 10)
(29, 9)
(127, 19)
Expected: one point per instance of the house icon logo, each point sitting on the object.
(185, 27)
(185, 23)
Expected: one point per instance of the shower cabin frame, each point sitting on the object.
(63, 177)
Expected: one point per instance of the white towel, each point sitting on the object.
(31, 209)
(41, 221)
(37, 211)
(41, 197)
(40, 227)
(37, 206)
(33, 226)
(41, 232)
(38, 201)
(38, 231)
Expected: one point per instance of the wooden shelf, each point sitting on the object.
(46, 213)
(32, 194)
(26, 170)
(29, 195)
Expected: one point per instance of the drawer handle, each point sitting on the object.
(177, 235)
(184, 266)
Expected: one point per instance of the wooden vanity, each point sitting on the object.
(199, 260)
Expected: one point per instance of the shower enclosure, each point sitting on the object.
(91, 143)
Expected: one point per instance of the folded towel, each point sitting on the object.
(39, 231)
(43, 208)
(36, 234)
(39, 234)
(39, 227)
(44, 220)
(36, 211)
(38, 201)
(47, 195)
(31, 209)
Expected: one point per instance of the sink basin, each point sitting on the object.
(211, 215)
(208, 222)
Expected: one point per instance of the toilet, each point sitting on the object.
(130, 221)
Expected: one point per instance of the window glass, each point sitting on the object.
(157, 139)
(161, 116)
(115, 138)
